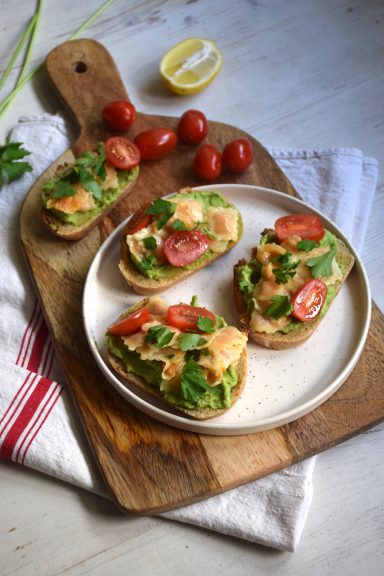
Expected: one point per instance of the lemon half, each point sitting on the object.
(190, 65)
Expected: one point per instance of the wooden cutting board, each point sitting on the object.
(148, 466)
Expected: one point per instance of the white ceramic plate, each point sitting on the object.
(281, 385)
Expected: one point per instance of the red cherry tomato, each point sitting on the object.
(138, 220)
(307, 226)
(308, 301)
(155, 143)
(185, 246)
(130, 323)
(185, 317)
(121, 152)
(118, 115)
(207, 162)
(192, 127)
(238, 155)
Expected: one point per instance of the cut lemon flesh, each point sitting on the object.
(190, 65)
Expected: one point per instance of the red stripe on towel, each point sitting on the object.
(28, 411)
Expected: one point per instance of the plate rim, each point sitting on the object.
(211, 427)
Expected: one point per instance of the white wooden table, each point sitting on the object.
(299, 74)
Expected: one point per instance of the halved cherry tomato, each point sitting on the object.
(138, 220)
(238, 155)
(121, 152)
(118, 115)
(185, 246)
(185, 317)
(130, 323)
(192, 127)
(207, 162)
(155, 143)
(308, 301)
(307, 226)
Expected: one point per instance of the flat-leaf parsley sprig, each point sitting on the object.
(11, 168)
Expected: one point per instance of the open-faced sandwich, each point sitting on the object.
(80, 194)
(183, 354)
(169, 239)
(285, 289)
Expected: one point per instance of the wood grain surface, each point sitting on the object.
(139, 457)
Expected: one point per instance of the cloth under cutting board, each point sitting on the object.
(39, 426)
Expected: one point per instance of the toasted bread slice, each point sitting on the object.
(69, 231)
(201, 414)
(197, 414)
(147, 286)
(279, 340)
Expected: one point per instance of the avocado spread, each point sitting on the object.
(215, 397)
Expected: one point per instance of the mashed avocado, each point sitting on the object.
(151, 371)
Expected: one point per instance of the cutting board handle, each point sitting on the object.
(85, 78)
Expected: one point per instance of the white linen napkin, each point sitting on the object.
(39, 426)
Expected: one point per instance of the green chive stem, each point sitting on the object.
(20, 84)
(17, 51)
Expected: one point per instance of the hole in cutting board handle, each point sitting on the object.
(80, 67)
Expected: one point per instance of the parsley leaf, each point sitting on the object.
(179, 225)
(307, 245)
(159, 335)
(193, 383)
(10, 168)
(162, 208)
(205, 324)
(150, 242)
(190, 341)
(288, 267)
(322, 265)
(279, 306)
(149, 262)
(64, 189)
(92, 186)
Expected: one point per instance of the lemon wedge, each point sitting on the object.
(190, 65)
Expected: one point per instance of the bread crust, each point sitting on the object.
(149, 286)
(70, 231)
(201, 414)
(279, 340)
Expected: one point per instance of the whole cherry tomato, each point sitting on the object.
(138, 220)
(238, 155)
(185, 246)
(207, 162)
(131, 323)
(121, 152)
(155, 143)
(119, 115)
(192, 127)
(308, 301)
(185, 317)
(307, 226)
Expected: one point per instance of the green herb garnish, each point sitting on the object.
(10, 167)
(205, 324)
(288, 267)
(279, 306)
(193, 383)
(307, 245)
(163, 209)
(159, 335)
(190, 341)
(322, 265)
(150, 242)
(179, 225)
